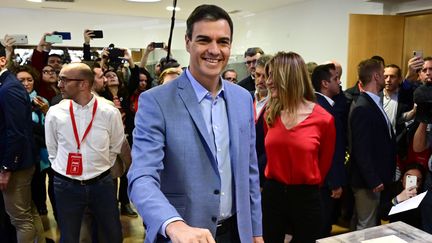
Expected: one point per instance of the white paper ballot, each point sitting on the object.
(385, 239)
(409, 204)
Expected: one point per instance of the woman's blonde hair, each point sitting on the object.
(290, 77)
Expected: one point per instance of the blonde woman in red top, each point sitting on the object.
(299, 144)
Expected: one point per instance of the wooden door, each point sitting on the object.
(371, 35)
(417, 36)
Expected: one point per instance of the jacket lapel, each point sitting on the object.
(233, 111)
(377, 109)
(187, 95)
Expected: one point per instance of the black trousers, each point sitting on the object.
(297, 207)
(227, 231)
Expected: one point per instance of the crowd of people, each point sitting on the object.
(202, 157)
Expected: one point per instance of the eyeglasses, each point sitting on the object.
(251, 62)
(65, 80)
(231, 79)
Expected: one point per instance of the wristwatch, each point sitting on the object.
(3, 169)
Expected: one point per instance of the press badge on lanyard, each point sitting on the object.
(74, 163)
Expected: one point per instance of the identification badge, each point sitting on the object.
(74, 165)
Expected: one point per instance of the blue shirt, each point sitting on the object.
(215, 116)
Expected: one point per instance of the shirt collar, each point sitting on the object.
(263, 100)
(374, 97)
(199, 90)
(329, 100)
(2, 71)
(88, 105)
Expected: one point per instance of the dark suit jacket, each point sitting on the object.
(259, 145)
(16, 139)
(404, 105)
(352, 93)
(248, 83)
(336, 175)
(373, 149)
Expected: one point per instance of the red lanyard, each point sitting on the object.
(75, 127)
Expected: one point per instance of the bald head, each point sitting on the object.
(80, 71)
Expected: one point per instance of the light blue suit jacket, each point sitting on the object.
(174, 172)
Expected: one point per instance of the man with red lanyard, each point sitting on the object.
(260, 101)
(83, 138)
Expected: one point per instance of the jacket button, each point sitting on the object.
(214, 219)
(216, 192)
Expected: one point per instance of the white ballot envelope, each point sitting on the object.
(409, 204)
(385, 239)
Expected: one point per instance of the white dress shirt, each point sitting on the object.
(99, 149)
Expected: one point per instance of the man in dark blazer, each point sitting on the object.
(326, 83)
(260, 102)
(372, 144)
(251, 56)
(16, 155)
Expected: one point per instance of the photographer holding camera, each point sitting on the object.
(423, 134)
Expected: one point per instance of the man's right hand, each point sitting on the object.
(379, 188)
(179, 232)
(43, 45)
(414, 64)
(88, 35)
(4, 179)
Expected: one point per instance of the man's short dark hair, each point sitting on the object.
(210, 13)
(168, 63)
(321, 72)
(2, 51)
(228, 70)
(367, 68)
(262, 60)
(428, 58)
(399, 71)
(378, 58)
(55, 55)
(252, 51)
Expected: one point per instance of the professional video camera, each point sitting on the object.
(423, 99)
(115, 56)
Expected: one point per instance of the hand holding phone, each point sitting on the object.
(158, 45)
(410, 181)
(54, 39)
(418, 53)
(96, 34)
(20, 39)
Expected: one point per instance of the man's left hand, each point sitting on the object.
(4, 179)
(336, 193)
(258, 239)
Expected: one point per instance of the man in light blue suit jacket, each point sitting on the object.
(194, 175)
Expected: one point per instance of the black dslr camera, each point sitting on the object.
(115, 56)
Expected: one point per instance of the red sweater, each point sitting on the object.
(302, 154)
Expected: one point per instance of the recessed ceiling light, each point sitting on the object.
(171, 8)
(35, 1)
(144, 1)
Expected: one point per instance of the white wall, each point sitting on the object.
(406, 7)
(316, 29)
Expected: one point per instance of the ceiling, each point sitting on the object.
(153, 10)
